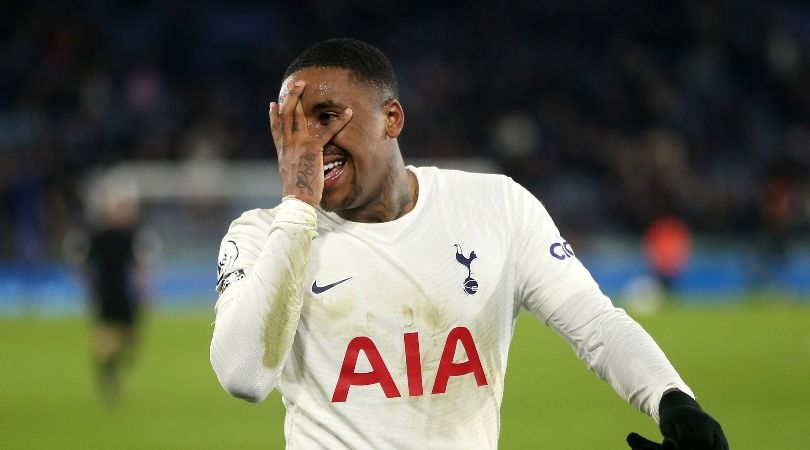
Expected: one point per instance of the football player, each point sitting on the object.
(380, 299)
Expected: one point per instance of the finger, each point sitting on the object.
(669, 444)
(333, 128)
(636, 442)
(300, 120)
(288, 109)
(275, 125)
(720, 440)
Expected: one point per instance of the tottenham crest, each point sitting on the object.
(470, 285)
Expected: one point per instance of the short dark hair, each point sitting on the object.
(365, 62)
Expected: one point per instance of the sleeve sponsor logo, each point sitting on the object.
(561, 250)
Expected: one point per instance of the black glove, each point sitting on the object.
(637, 442)
(684, 425)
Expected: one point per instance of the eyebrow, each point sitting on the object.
(328, 104)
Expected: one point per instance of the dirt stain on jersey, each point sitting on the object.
(282, 319)
(327, 313)
(407, 315)
(431, 313)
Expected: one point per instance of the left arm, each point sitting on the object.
(552, 283)
(617, 349)
(556, 287)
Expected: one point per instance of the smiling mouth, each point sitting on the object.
(334, 166)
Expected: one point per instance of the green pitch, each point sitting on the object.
(750, 367)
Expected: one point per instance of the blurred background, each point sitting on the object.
(669, 140)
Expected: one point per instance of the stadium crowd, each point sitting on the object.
(613, 113)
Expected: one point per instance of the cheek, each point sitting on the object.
(360, 138)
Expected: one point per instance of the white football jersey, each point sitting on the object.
(399, 330)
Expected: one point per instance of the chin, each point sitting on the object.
(330, 203)
(333, 201)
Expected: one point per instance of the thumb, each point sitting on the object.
(636, 442)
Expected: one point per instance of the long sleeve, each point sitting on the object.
(261, 293)
(617, 349)
(554, 285)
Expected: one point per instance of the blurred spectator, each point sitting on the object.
(115, 267)
(608, 111)
(668, 247)
(779, 207)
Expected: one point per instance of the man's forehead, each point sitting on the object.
(322, 82)
(334, 84)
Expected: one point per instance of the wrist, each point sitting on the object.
(301, 198)
(675, 398)
(672, 408)
(297, 213)
(684, 423)
(293, 198)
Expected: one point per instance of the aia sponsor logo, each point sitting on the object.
(380, 374)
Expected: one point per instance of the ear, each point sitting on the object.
(394, 118)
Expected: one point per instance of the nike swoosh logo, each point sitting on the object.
(320, 289)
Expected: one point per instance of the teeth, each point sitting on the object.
(332, 165)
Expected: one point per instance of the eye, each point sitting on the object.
(327, 117)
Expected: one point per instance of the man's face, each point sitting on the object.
(357, 151)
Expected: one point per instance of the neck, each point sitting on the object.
(397, 197)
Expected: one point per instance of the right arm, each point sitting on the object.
(260, 302)
(261, 294)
